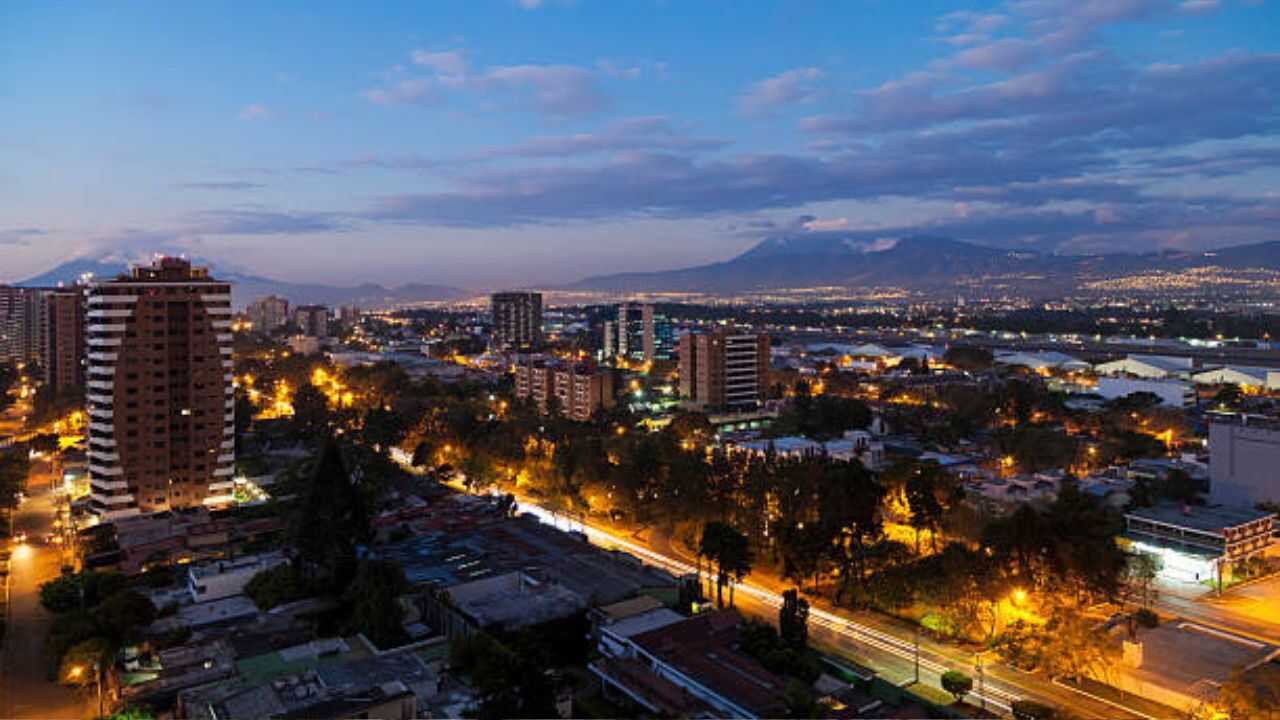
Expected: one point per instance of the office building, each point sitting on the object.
(725, 369)
(64, 367)
(161, 412)
(579, 389)
(268, 313)
(639, 334)
(517, 320)
(1244, 454)
(312, 320)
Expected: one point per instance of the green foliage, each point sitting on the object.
(329, 521)
(957, 683)
(83, 590)
(84, 662)
(761, 641)
(793, 619)
(730, 552)
(1146, 618)
(508, 684)
(383, 428)
(123, 615)
(373, 595)
(279, 585)
(310, 410)
(822, 417)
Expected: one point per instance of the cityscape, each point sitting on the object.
(580, 359)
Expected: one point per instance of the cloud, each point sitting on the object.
(551, 89)
(252, 221)
(254, 111)
(788, 88)
(219, 185)
(1199, 6)
(818, 225)
(409, 90)
(529, 4)
(562, 90)
(21, 236)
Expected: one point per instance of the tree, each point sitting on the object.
(926, 490)
(310, 410)
(793, 619)
(1243, 698)
(329, 522)
(423, 453)
(383, 428)
(508, 684)
(14, 466)
(730, 552)
(82, 660)
(278, 585)
(1140, 575)
(123, 615)
(374, 595)
(957, 683)
(80, 591)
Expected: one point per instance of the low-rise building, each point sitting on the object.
(222, 579)
(1173, 393)
(1151, 367)
(1199, 543)
(692, 667)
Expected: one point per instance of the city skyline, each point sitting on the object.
(482, 144)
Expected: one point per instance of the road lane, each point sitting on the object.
(25, 688)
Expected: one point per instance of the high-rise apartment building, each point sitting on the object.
(23, 324)
(160, 404)
(517, 320)
(312, 320)
(268, 313)
(579, 389)
(725, 369)
(640, 334)
(64, 368)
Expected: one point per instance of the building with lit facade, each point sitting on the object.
(723, 370)
(159, 392)
(639, 334)
(1196, 543)
(579, 390)
(517, 320)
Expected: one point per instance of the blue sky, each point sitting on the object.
(492, 142)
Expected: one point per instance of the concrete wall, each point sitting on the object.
(1244, 464)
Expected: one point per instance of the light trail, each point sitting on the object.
(993, 696)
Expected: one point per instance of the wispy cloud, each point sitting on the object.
(21, 236)
(788, 88)
(219, 185)
(563, 90)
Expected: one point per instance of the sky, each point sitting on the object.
(482, 143)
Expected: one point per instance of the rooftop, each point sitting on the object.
(703, 647)
(1212, 519)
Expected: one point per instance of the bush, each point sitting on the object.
(83, 591)
(957, 683)
(1032, 710)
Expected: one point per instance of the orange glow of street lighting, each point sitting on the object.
(1019, 596)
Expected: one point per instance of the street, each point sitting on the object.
(870, 638)
(26, 690)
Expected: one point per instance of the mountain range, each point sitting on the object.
(919, 263)
(247, 288)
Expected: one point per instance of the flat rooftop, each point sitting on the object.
(1212, 519)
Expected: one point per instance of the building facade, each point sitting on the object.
(580, 390)
(725, 369)
(23, 324)
(1244, 454)
(639, 334)
(312, 320)
(517, 320)
(160, 404)
(64, 368)
(268, 313)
